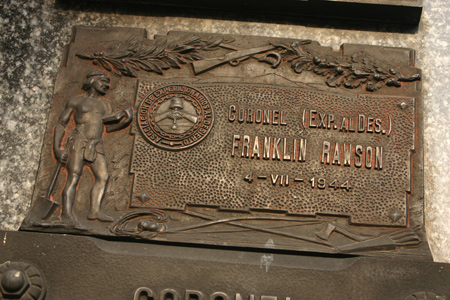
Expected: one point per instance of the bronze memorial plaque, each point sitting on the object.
(235, 141)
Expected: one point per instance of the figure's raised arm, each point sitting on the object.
(118, 120)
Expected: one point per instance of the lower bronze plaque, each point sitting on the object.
(235, 141)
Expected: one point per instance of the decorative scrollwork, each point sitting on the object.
(126, 58)
(401, 238)
(348, 71)
(359, 69)
(141, 224)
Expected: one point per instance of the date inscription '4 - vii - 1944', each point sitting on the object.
(237, 139)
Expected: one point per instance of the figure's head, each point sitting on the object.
(97, 80)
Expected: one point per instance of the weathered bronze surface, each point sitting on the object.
(76, 267)
(237, 141)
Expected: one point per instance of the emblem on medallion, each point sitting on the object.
(175, 117)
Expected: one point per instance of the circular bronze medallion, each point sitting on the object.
(175, 117)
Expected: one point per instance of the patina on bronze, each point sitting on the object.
(235, 141)
(80, 267)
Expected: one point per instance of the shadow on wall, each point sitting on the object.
(324, 13)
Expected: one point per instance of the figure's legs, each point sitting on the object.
(100, 169)
(74, 169)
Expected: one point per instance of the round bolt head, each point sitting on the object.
(13, 281)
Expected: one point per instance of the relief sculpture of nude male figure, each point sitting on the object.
(90, 112)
